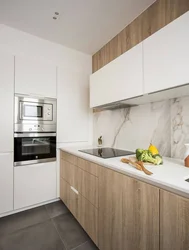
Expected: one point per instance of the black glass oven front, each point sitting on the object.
(36, 148)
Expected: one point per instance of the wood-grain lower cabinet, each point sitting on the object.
(69, 173)
(88, 186)
(174, 222)
(110, 210)
(65, 192)
(88, 218)
(140, 215)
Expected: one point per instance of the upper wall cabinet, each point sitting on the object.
(166, 55)
(35, 77)
(6, 101)
(72, 106)
(118, 80)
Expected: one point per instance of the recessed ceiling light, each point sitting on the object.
(56, 13)
(54, 17)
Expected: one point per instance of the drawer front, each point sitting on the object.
(73, 203)
(64, 192)
(88, 186)
(88, 166)
(68, 157)
(69, 173)
(88, 218)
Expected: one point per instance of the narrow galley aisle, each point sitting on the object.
(49, 227)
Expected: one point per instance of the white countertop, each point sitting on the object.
(169, 176)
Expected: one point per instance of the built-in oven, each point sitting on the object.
(31, 148)
(34, 114)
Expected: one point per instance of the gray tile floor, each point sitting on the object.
(49, 227)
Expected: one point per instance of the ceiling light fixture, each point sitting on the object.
(56, 13)
(54, 17)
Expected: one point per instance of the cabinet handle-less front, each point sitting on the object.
(74, 190)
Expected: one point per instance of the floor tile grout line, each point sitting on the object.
(47, 211)
(23, 228)
(64, 244)
(75, 248)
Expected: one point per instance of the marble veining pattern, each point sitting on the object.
(180, 126)
(165, 124)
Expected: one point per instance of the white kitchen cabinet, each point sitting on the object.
(6, 101)
(34, 184)
(35, 77)
(6, 182)
(118, 80)
(166, 56)
(72, 106)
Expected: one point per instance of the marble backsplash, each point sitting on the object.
(165, 124)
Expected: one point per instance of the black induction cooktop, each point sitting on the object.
(106, 152)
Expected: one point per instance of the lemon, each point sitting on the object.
(153, 149)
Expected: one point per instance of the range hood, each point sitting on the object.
(162, 95)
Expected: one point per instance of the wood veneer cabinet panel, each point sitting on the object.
(74, 203)
(88, 166)
(69, 173)
(68, 157)
(110, 210)
(88, 218)
(158, 15)
(88, 186)
(140, 215)
(64, 192)
(174, 222)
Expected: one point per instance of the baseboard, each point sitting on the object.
(29, 207)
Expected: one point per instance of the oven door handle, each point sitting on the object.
(17, 135)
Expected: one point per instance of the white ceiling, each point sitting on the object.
(84, 25)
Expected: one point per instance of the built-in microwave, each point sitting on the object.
(35, 114)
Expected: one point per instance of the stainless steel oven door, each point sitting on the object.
(30, 148)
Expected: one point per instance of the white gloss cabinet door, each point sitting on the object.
(166, 56)
(6, 101)
(72, 106)
(6, 182)
(34, 184)
(35, 77)
(120, 79)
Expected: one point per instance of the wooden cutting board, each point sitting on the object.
(134, 159)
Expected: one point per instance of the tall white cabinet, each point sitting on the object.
(35, 77)
(6, 131)
(166, 55)
(72, 106)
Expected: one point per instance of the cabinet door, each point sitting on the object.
(88, 186)
(174, 221)
(118, 80)
(110, 210)
(72, 106)
(35, 77)
(65, 192)
(88, 166)
(69, 173)
(74, 202)
(6, 182)
(166, 56)
(6, 101)
(140, 215)
(88, 218)
(34, 184)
